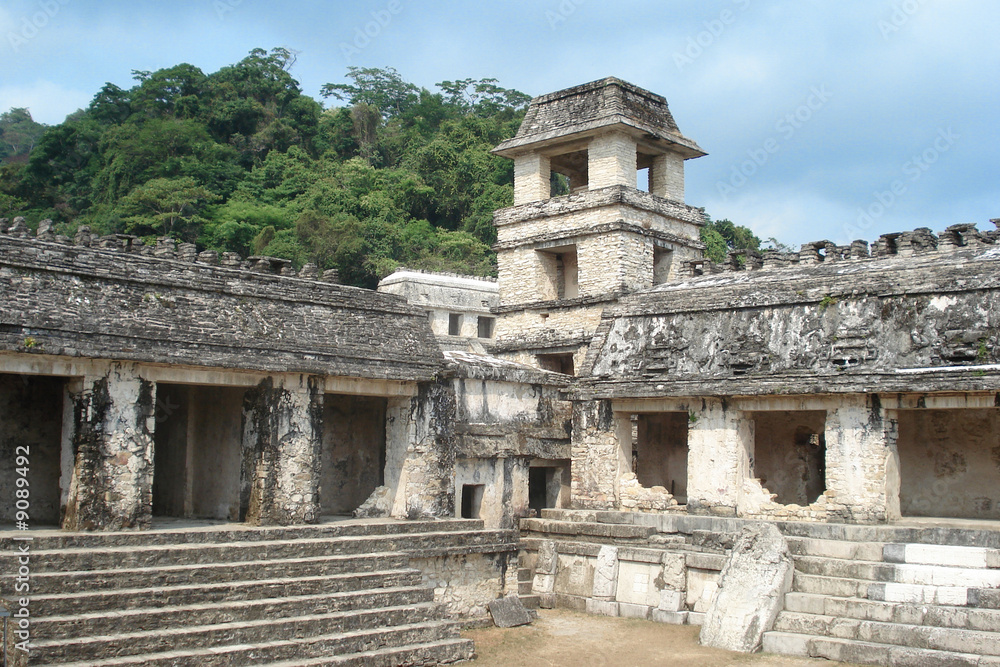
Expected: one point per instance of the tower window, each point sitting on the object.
(486, 327)
(454, 324)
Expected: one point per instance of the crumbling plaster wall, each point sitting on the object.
(467, 583)
(282, 439)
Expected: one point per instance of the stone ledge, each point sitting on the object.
(601, 197)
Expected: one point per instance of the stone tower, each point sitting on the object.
(562, 260)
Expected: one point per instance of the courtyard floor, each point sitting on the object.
(562, 638)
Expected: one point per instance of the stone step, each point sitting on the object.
(859, 652)
(530, 600)
(524, 574)
(986, 620)
(260, 633)
(834, 586)
(214, 573)
(845, 569)
(428, 643)
(216, 592)
(899, 634)
(916, 594)
(862, 551)
(524, 588)
(942, 555)
(200, 553)
(616, 531)
(56, 539)
(237, 611)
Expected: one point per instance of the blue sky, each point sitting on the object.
(822, 120)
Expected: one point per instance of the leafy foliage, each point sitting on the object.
(722, 236)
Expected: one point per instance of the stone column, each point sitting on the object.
(111, 487)
(666, 176)
(612, 160)
(599, 456)
(420, 455)
(862, 464)
(720, 447)
(531, 178)
(282, 441)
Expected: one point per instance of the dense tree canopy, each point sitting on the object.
(240, 160)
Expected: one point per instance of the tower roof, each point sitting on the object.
(592, 108)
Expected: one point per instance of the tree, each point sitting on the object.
(167, 206)
(18, 132)
(722, 236)
(383, 89)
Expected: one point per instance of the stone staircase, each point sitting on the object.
(333, 594)
(867, 597)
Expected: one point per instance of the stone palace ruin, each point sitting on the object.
(251, 464)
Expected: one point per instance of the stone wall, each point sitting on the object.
(508, 415)
(899, 319)
(467, 583)
(110, 303)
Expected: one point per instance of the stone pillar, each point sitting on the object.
(720, 449)
(282, 441)
(111, 487)
(420, 456)
(612, 160)
(666, 176)
(862, 464)
(531, 178)
(599, 458)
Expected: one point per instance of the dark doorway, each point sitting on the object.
(31, 431)
(197, 454)
(790, 454)
(353, 451)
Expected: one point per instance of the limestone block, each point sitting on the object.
(674, 572)
(672, 601)
(752, 589)
(606, 573)
(638, 584)
(602, 607)
(543, 583)
(626, 610)
(575, 576)
(547, 560)
(701, 587)
(671, 617)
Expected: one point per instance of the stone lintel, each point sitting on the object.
(598, 198)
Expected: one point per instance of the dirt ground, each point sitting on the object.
(562, 638)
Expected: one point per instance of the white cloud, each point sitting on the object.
(48, 102)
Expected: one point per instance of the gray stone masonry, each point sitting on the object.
(107, 303)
